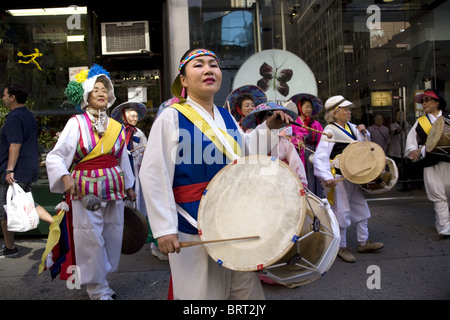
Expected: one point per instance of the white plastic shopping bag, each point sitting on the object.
(21, 212)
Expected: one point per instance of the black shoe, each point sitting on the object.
(7, 253)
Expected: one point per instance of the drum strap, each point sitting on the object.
(425, 123)
(209, 131)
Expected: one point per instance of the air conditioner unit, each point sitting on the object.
(129, 37)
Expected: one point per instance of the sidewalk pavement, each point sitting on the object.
(414, 264)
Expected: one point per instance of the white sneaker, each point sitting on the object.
(106, 296)
(111, 292)
(155, 251)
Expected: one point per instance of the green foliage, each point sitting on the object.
(3, 112)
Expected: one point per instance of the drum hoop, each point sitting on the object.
(312, 272)
(296, 229)
(392, 167)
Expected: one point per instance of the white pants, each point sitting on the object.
(98, 243)
(196, 276)
(437, 186)
(350, 206)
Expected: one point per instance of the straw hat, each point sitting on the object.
(166, 104)
(118, 112)
(254, 118)
(256, 92)
(317, 104)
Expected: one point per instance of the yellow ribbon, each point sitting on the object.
(53, 238)
(425, 124)
(107, 142)
(204, 127)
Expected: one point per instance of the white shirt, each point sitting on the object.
(411, 140)
(60, 159)
(321, 159)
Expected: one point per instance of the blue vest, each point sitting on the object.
(198, 162)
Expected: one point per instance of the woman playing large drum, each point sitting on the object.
(191, 142)
(347, 200)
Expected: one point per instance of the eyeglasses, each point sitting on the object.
(426, 99)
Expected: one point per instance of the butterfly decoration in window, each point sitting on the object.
(277, 79)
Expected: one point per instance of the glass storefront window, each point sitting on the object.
(228, 31)
(39, 46)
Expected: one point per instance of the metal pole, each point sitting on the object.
(283, 31)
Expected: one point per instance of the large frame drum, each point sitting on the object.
(365, 164)
(362, 162)
(438, 139)
(253, 196)
(315, 250)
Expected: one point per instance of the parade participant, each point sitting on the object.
(284, 150)
(436, 170)
(243, 100)
(348, 202)
(92, 147)
(192, 141)
(305, 140)
(130, 113)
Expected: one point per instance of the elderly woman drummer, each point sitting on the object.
(92, 146)
(192, 141)
(346, 198)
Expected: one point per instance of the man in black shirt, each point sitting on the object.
(19, 155)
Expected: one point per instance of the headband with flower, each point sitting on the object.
(78, 90)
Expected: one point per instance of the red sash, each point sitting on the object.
(101, 162)
(189, 193)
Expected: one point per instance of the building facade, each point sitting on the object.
(378, 54)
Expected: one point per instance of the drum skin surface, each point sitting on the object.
(135, 231)
(439, 137)
(254, 196)
(362, 162)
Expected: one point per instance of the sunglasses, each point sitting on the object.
(426, 99)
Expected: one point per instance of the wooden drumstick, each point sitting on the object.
(184, 244)
(301, 145)
(355, 174)
(137, 148)
(328, 134)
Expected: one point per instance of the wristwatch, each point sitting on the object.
(9, 171)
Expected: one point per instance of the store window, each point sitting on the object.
(39, 48)
(227, 30)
